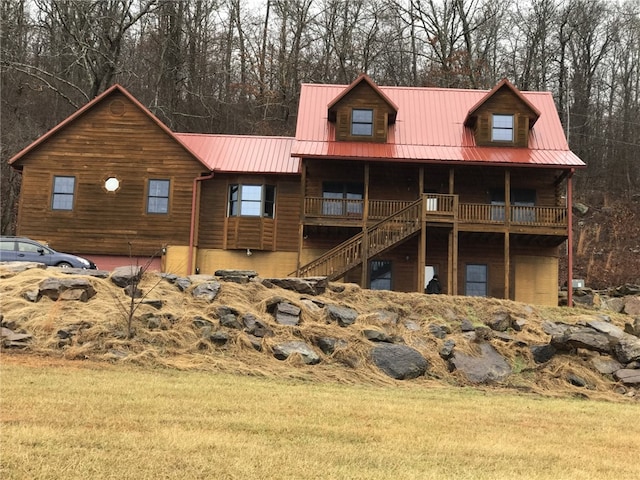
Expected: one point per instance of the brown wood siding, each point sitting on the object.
(111, 139)
(218, 232)
(362, 96)
(393, 182)
(321, 171)
(503, 102)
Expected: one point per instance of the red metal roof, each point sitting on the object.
(430, 129)
(243, 153)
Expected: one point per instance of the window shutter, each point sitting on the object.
(483, 135)
(344, 127)
(522, 131)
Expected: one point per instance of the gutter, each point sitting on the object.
(192, 228)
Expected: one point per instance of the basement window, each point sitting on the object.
(380, 275)
(252, 200)
(476, 280)
(63, 193)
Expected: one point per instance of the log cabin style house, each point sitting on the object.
(381, 186)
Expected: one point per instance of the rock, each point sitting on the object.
(10, 339)
(345, 316)
(580, 208)
(615, 304)
(235, 273)
(399, 361)
(282, 351)
(376, 336)
(582, 337)
(439, 331)
(74, 294)
(254, 326)
(306, 286)
(207, 291)
(627, 349)
(19, 267)
(488, 367)
(627, 290)
(633, 328)
(574, 379)
(632, 306)
(53, 288)
(182, 283)
(328, 345)
(482, 334)
(466, 325)
(383, 317)
(411, 325)
(200, 322)
(255, 342)
(157, 304)
(447, 349)
(605, 365)
(229, 320)
(628, 376)
(88, 272)
(219, 337)
(312, 306)
(31, 296)
(607, 328)
(500, 322)
(287, 314)
(542, 353)
(126, 275)
(518, 324)
(133, 292)
(552, 328)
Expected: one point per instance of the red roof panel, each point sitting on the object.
(430, 128)
(243, 153)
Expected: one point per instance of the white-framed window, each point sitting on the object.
(502, 128)
(252, 200)
(362, 122)
(158, 196)
(63, 193)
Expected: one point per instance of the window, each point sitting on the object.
(476, 280)
(362, 122)
(522, 199)
(252, 200)
(158, 196)
(337, 196)
(380, 275)
(502, 128)
(63, 192)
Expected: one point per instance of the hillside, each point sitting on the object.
(237, 322)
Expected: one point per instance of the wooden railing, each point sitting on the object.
(439, 208)
(381, 236)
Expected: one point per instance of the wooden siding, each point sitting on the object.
(503, 102)
(114, 138)
(217, 231)
(362, 96)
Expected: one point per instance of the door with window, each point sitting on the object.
(342, 199)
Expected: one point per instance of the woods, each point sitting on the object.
(235, 66)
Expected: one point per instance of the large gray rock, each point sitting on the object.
(542, 353)
(235, 273)
(605, 365)
(605, 327)
(307, 286)
(399, 361)
(18, 267)
(500, 322)
(633, 328)
(207, 291)
(345, 316)
(256, 327)
(628, 376)
(287, 314)
(126, 275)
(627, 349)
(10, 339)
(488, 367)
(632, 306)
(53, 288)
(282, 351)
(582, 337)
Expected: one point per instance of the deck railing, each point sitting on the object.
(438, 207)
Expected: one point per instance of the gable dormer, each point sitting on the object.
(503, 117)
(362, 112)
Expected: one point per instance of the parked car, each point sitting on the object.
(20, 249)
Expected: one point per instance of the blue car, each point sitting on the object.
(20, 249)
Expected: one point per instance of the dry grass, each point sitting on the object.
(101, 323)
(79, 420)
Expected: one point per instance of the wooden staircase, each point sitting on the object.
(378, 238)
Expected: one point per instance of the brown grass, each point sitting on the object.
(101, 324)
(79, 420)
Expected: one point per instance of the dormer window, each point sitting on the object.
(502, 128)
(362, 122)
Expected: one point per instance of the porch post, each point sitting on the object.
(507, 220)
(570, 239)
(365, 236)
(422, 248)
(454, 250)
(303, 190)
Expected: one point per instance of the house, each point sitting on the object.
(381, 186)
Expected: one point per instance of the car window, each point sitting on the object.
(29, 247)
(7, 245)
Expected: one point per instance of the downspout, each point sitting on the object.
(570, 239)
(194, 210)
